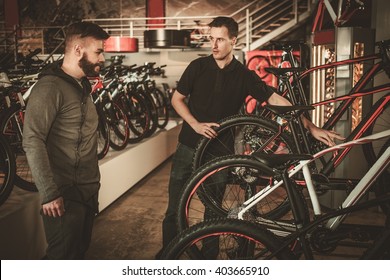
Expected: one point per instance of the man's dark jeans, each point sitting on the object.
(180, 172)
(69, 236)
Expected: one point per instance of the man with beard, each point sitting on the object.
(60, 141)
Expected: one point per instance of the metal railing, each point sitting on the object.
(256, 20)
(259, 22)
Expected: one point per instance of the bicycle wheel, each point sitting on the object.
(138, 115)
(243, 134)
(118, 124)
(219, 189)
(103, 136)
(161, 106)
(382, 184)
(226, 239)
(153, 113)
(11, 127)
(7, 170)
(382, 123)
(380, 249)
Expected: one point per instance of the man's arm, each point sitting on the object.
(325, 136)
(40, 114)
(205, 129)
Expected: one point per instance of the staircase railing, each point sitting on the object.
(259, 22)
(270, 19)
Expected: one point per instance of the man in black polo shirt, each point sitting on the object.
(217, 86)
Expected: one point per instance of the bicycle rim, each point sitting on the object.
(119, 127)
(138, 116)
(382, 123)
(153, 120)
(219, 188)
(226, 239)
(161, 106)
(12, 129)
(7, 170)
(381, 186)
(243, 134)
(103, 138)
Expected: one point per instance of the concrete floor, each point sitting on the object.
(130, 228)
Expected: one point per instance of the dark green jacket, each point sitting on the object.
(59, 137)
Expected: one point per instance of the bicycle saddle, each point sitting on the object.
(278, 160)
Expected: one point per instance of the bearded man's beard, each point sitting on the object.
(90, 69)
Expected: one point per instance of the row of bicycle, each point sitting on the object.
(255, 189)
(129, 104)
(130, 108)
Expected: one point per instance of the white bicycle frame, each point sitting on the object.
(360, 189)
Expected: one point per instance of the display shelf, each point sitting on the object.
(120, 170)
(22, 235)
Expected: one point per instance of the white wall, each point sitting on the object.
(176, 60)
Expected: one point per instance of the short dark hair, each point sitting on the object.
(84, 29)
(228, 22)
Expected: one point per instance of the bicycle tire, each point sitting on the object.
(226, 239)
(223, 184)
(11, 127)
(382, 184)
(249, 133)
(138, 115)
(7, 170)
(118, 124)
(382, 123)
(380, 249)
(103, 136)
(153, 113)
(161, 106)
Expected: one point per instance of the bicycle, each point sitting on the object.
(113, 114)
(259, 236)
(230, 180)
(7, 169)
(11, 127)
(233, 129)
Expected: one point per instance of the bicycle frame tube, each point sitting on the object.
(362, 93)
(339, 63)
(361, 188)
(357, 132)
(343, 211)
(340, 110)
(312, 194)
(357, 88)
(356, 91)
(304, 74)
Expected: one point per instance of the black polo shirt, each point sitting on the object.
(217, 93)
